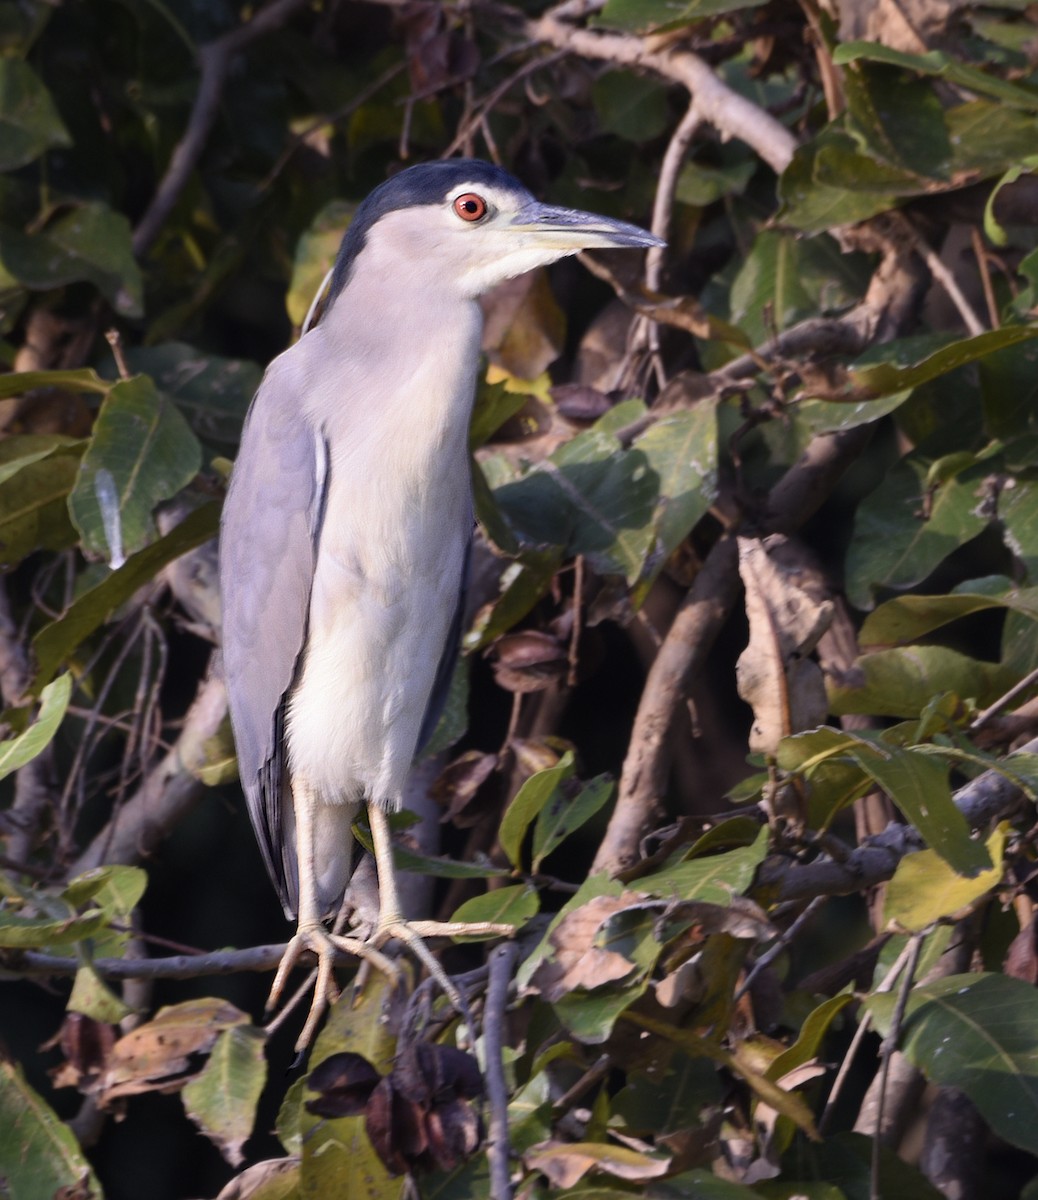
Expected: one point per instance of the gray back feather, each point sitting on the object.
(268, 543)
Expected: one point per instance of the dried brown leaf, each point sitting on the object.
(578, 962)
(775, 677)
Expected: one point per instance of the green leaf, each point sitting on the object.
(925, 889)
(918, 785)
(513, 905)
(34, 494)
(522, 585)
(213, 393)
(643, 15)
(1018, 512)
(22, 749)
(142, 453)
(938, 64)
(907, 527)
(222, 1099)
(633, 107)
(883, 378)
(567, 812)
(527, 803)
(656, 1104)
(903, 681)
(908, 618)
(681, 452)
(55, 642)
(89, 244)
(39, 1152)
(338, 1159)
(977, 1033)
(785, 279)
(29, 119)
(716, 878)
(85, 379)
(811, 1038)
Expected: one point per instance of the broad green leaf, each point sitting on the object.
(590, 1016)
(903, 681)
(85, 379)
(1009, 391)
(846, 1161)
(513, 905)
(338, 1159)
(881, 379)
(702, 1184)
(32, 933)
(213, 393)
(19, 750)
(33, 499)
(918, 785)
(666, 1103)
(142, 453)
(116, 888)
(633, 107)
(566, 813)
(29, 119)
(908, 618)
(92, 997)
(222, 1099)
(528, 802)
(522, 585)
(925, 889)
(939, 64)
(495, 404)
(55, 643)
(89, 244)
(977, 1033)
(590, 495)
(1018, 513)
(643, 15)
(681, 450)
(715, 878)
(906, 528)
(787, 1103)
(785, 279)
(40, 1155)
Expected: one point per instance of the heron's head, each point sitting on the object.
(462, 225)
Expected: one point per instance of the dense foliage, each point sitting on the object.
(740, 738)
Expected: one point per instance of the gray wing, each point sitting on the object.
(448, 659)
(268, 545)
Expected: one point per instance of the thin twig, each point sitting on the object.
(985, 276)
(886, 1051)
(766, 959)
(982, 718)
(502, 967)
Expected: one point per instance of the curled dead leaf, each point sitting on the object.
(787, 618)
(578, 962)
(566, 1163)
(528, 661)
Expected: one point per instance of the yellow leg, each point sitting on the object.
(392, 925)
(311, 934)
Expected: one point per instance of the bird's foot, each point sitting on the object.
(325, 947)
(413, 935)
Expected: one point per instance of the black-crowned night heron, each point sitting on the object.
(346, 530)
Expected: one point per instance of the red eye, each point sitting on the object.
(470, 207)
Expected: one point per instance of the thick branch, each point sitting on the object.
(731, 114)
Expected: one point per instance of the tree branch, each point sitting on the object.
(731, 115)
(214, 59)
